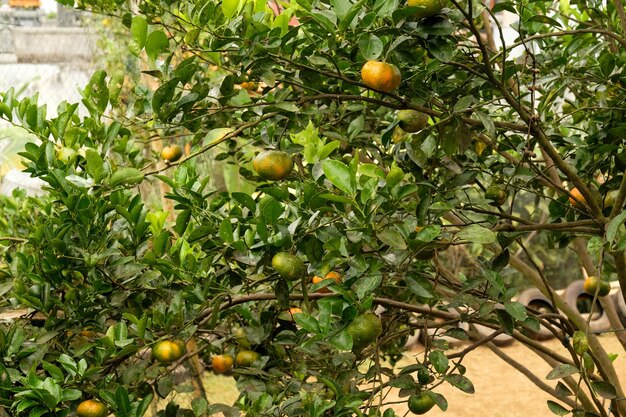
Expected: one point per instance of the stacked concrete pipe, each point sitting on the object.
(534, 299)
(578, 299)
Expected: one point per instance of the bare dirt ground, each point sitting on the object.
(501, 391)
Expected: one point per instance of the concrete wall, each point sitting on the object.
(53, 44)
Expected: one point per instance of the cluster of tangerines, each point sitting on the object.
(276, 165)
(364, 329)
(167, 352)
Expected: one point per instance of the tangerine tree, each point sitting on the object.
(424, 228)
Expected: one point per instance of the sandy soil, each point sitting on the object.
(501, 391)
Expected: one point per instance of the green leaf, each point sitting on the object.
(346, 21)
(164, 94)
(439, 360)
(604, 389)
(324, 316)
(216, 135)
(97, 91)
(281, 289)
(182, 221)
(418, 288)
(367, 284)
(370, 46)
(463, 103)
(53, 371)
(561, 371)
(436, 26)
(70, 395)
(439, 399)
(144, 404)
(461, 382)
(160, 243)
(5, 378)
(328, 149)
(336, 198)
(341, 7)
(139, 31)
(490, 127)
(5, 287)
(156, 43)
(230, 7)
(341, 341)
(270, 209)
(126, 176)
(191, 36)
(428, 233)
(506, 321)
(613, 227)
(562, 391)
(607, 64)
(557, 408)
(392, 237)
(339, 174)
(6, 110)
(95, 164)
(502, 260)
(226, 410)
(313, 144)
(505, 5)
(356, 126)
(122, 401)
(477, 234)
(226, 230)
(228, 85)
(545, 19)
(307, 322)
(372, 170)
(245, 200)
(441, 49)
(516, 310)
(405, 381)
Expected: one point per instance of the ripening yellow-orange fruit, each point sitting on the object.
(273, 165)
(576, 199)
(168, 351)
(171, 153)
(222, 363)
(247, 357)
(591, 284)
(332, 275)
(92, 408)
(426, 8)
(381, 75)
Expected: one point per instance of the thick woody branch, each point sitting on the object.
(605, 366)
(204, 316)
(580, 247)
(528, 374)
(622, 17)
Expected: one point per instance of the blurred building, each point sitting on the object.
(44, 50)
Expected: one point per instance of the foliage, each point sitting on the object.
(111, 275)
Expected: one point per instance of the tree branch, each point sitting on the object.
(528, 374)
(204, 316)
(605, 366)
(619, 199)
(216, 142)
(622, 17)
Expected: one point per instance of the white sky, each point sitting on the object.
(49, 6)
